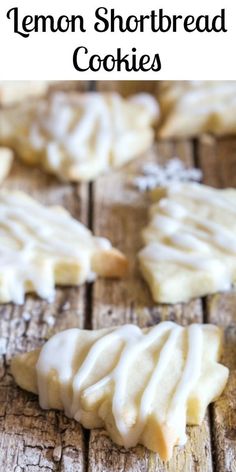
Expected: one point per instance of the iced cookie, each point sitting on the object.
(190, 244)
(44, 246)
(13, 91)
(189, 108)
(6, 159)
(143, 386)
(78, 136)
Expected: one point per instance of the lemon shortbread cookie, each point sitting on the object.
(13, 91)
(143, 386)
(190, 242)
(189, 108)
(43, 246)
(78, 136)
(6, 159)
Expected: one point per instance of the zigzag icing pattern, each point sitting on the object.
(190, 237)
(78, 136)
(41, 246)
(142, 385)
(190, 108)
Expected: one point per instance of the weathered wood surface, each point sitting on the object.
(120, 213)
(127, 87)
(34, 440)
(218, 160)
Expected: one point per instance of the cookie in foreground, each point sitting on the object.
(143, 386)
(78, 136)
(190, 245)
(41, 247)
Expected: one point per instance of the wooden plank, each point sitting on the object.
(32, 439)
(120, 212)
(219, 171)
(126, 87)
(69, 85)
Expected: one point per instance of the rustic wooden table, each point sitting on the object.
(34, 440)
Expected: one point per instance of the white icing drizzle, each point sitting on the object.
(157, 252)
(58, 346)
(87, 129)
(190, 234)
(207, 107)
(190, 376)
(204, 194)
(59, 353)
(128, 334)
(34, 238)
(133, 350)
(176, 234)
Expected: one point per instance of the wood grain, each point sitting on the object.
(218, 159)
(126, 87)
(120, 212)
(32, 439)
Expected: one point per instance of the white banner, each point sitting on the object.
(112, 40)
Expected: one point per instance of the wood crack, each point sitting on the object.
(34, 440)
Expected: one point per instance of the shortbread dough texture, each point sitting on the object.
(14, 91)
(43, 246)
(190, 108)
(190, 245)
(143, 386)
(78, 136)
